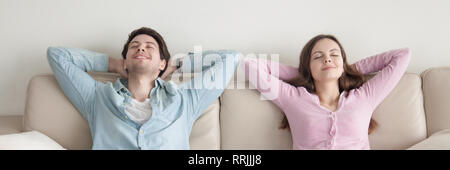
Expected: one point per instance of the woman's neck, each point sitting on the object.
(328, 93)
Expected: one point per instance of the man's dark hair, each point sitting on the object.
(163, 52)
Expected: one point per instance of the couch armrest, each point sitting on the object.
(11, 124)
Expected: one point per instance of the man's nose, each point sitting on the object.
(141, 49)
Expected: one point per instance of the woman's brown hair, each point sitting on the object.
(350, 78)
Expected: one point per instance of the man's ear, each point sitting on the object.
(124, 64)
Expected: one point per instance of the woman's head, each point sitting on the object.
(323, 59)
(326, 61)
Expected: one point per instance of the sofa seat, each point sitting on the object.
(438, 141)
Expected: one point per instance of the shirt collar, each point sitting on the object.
(121, 85)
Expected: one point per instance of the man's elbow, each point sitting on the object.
(233, 57)
(52, 52)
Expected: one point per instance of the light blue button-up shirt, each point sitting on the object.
(175, 107)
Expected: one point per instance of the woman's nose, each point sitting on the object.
(327, 60)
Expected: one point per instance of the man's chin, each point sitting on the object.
(143, 70)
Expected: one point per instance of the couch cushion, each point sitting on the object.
(439, 140)
(206, 130)
(32, 140)
(49, 111)
(250, 123)
(436, 98)
(401, 116)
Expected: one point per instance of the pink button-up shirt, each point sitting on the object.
(316, 127)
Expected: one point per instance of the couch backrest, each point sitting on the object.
(49, 111)
(436, 93)
(250, 123)
(246, 122)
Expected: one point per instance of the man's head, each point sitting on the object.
(145, 52)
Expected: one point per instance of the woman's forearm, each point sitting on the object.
(377, 62)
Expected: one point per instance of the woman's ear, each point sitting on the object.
(162, 65)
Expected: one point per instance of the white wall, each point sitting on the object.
(365, 27)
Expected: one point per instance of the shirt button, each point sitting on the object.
(141, 131)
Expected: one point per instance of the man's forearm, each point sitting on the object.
(112, 64)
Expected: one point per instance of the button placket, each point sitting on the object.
(140, 138)
(333, 124)
(332, 130)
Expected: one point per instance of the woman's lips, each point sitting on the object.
(328, 68)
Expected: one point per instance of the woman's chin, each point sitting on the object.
(328, 78)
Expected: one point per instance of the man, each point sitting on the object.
(141, 110)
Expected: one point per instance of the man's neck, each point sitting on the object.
(140, 86)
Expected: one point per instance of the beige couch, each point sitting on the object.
(416, 115)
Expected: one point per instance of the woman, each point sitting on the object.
(327, 102)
